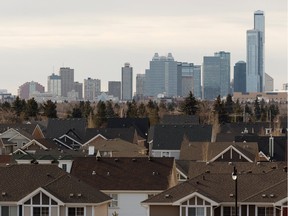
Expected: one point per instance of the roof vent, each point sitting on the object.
(231, 195)
(79, 195)
(167, 196)
(116, 159)
(149, 159)
(71, 194)
(108, 173)
(155, 173)
(4, 193)
(264, 195)
(272, 195)
(258, 163)
(230, 163)
(93, 172)
(207, 171)
(134, 159)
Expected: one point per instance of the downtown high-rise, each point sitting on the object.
(255, 75)
(126, 82)
(240, 77)
(67, 80)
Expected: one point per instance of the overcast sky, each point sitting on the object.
(96, 38)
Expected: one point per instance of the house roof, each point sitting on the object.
(18, 181)
(125, 173)
(207, 151)
(58, 127)
(219, 187)
(28, 128)
(170, 137)
(140, 124)
(180, 119)
(192, 168)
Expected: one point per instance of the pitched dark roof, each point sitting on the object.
(280, 147)
(28, 128)
(180, 119)
(219, 186)
(140, 124)
(59, 127)
(170, 137)
(18, 181)
(125, 173)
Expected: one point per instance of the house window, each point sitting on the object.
(195, 207)
(76, 211)
(265, 211)
(9, 210)
(114, 202)
(64, 167)
(40, 211)
(165, 154)
(229, 211)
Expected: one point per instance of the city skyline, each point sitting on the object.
(95, 40)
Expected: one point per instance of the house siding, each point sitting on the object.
(164, 210)
(101, 210)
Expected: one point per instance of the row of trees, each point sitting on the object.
(97, 113)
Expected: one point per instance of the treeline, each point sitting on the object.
(221, 111)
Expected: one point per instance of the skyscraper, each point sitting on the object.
(161, 77)
(67, 80)
(255, 78)
(140, 82)
(216, 75)
(269, 83)
(54, 84)
(78, 87)
(29, 88)
(92, 89)
(240, 77)
(127, 83)
(114, 88)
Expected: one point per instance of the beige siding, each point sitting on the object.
(62, 211)
(101, 210)
(164, 210)
(27, 211)
(88, 210)
(54, 211)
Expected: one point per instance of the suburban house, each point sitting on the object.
(165, 140)
(47, 190)
(214, 194)
(128, 180)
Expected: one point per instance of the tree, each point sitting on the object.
(32, 108)
(219, 109)
(76, 113)
(19, 106)
(190, 105)
(109, 110)
(238, 111)
(142, 111)
(101, 115)
(257, 109)
(132, 109)
(49, 109)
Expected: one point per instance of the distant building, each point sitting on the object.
(255, 78)
(127, 82)
(28, 88)
(140, 82)
(67, 80)
(269, 83)
(54, 84)
(280, 97)
(92, 89)
(216, 75)
(240, 77)
(285, 86)
(190, 79)
(78, 87)
(161, 77)
(114, 88)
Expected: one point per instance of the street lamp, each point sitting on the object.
(234, 177)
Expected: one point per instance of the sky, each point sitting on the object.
(96, 38)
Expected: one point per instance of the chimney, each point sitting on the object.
(271, 146)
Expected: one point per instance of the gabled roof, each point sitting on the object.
(219, 187)
(28, 128)
(18, 181)
(125, 173)
(59, 127)
(140, 124)
(280, 147)
(208, 152)
(180, 119)
(170, 137)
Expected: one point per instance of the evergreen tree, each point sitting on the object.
(238, 111)
(257, 109)
(142, 111)
(49, 109)
(273, 111)
(109, 110)
(76, 113)
(101, 115)
(190, 105)
(132, 109)
(32, 108)
(19, 106)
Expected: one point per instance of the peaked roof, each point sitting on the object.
(125, 173)
(28, 128)
(18, 181)
(170, 137)
(219, 186)
(59, 127)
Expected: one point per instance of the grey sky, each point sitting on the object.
(96, 38)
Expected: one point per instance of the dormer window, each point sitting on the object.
(268, 131)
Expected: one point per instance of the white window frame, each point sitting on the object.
(76, 207)
(186, 205)
(165, 154)
(115, 201)
(9, 209)
(266, 208)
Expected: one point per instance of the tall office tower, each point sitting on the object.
(255, 78)
(25, 90)
(161, 77)
(216, 75)
(240, 77)
(126, 81)
(269, 83)
(114, 88)
(67, 80)
(140, 80)
(92, 89)
(78, 87)
(54, 84)
(190, 79)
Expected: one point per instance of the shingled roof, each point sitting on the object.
(180, 119)
(126, 173)
(18, 181)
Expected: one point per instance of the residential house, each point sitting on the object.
(127, 180)
(47, 190)
(214, 194)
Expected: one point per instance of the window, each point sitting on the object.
(9, 210)
(79, 211)
(165, 154)
(40, 211)
(265, 211)
(195, 207)
(229, 211)
(64, 167)
(114, 202)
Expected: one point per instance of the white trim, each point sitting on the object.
(19, 149)
(93, 138)
(231, 147)
(183, 199)
(129, 191)
(59, 141)
(280, 202)
(17, 133)
(261, 154)
(65, 135)
(33, 142)
(33, 193)
(181, 173)
(37, 126)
